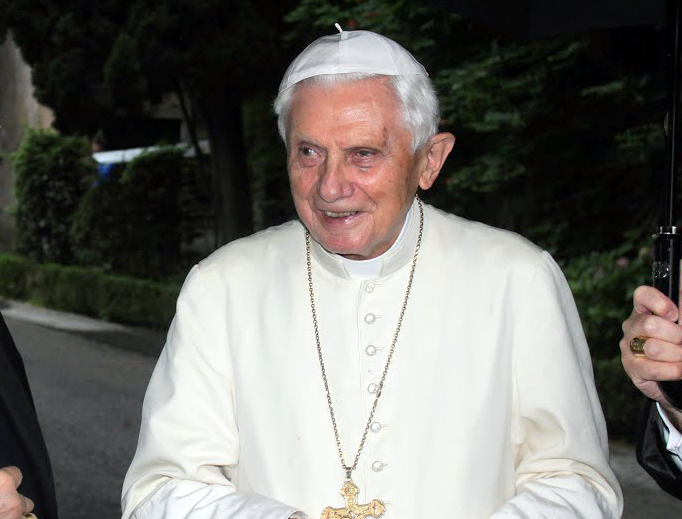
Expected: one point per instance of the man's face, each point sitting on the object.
(352, 172)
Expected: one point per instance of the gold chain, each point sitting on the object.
(390, 353)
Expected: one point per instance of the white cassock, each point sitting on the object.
(488, 411)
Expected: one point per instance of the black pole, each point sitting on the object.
(671, 124)
(666, 267)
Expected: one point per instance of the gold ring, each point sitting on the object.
(637, 346)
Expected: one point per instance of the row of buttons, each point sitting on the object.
(371, 350)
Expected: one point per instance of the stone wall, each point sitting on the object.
(18, 110)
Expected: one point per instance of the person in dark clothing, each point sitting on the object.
(653, 455)
(26, 481)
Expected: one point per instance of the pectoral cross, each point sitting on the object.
(353, 510)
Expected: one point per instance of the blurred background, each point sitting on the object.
(137, 136)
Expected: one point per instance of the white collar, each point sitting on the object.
(399, 255)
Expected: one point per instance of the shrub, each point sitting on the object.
(71, 289)
(152, 186)
(602, 284)
(85, 291)
(620, 399)
(131, 223)
(15, 272)
(136, 301)
(52, 173)
(101, 227)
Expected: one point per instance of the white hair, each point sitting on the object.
(418, 100)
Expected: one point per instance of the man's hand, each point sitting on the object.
(654, 316)
(12, 504)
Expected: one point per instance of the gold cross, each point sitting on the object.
(353, 510)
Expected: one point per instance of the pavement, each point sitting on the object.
(643, 498)
(128, 338)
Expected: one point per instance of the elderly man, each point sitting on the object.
(378, 357)
(651, 351)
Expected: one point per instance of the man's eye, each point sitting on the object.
(306, 151)
(364, 154)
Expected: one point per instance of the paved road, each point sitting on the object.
(89, 394)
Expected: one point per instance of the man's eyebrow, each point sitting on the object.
(383, 146)
(302, 139)
(368, 146)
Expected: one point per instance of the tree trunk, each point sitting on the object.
(222, 113)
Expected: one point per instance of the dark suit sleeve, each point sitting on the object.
(21, 440)
(652, 454)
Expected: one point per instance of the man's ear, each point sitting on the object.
(436, 150)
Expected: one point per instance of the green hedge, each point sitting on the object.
(602, 285)
(85, 291)
(620, 399)
(52, 174)
(130, 221)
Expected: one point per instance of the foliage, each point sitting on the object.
(419, 27)
(95, 62)
(51, 174)
(66, 43)
(131, 221)
(552, 132)
(537, 124)
(88, 292)
(267, 158)
(602, 284)
(101, 227)
(14, 275)
(621, 400)
(152, 185)
(3, 20)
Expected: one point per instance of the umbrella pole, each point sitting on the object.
(666, 267)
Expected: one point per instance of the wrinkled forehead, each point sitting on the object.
(351, 51)
(367, 108)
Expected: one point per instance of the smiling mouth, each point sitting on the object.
(339, 215)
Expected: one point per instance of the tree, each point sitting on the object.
(3, 19)
(561, 139)
(213, 55)
(92, 61)
(52, 175)
(66, 43)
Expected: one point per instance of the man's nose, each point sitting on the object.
(335, 181)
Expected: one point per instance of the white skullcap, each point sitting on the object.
(351, 51)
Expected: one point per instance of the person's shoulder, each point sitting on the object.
(481, 242)
(257, 253)
(500, 257)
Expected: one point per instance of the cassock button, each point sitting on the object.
(372, 388)
(370, 287)
(375, 427)
(370, 318)
(377, 466)
(370, 350)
